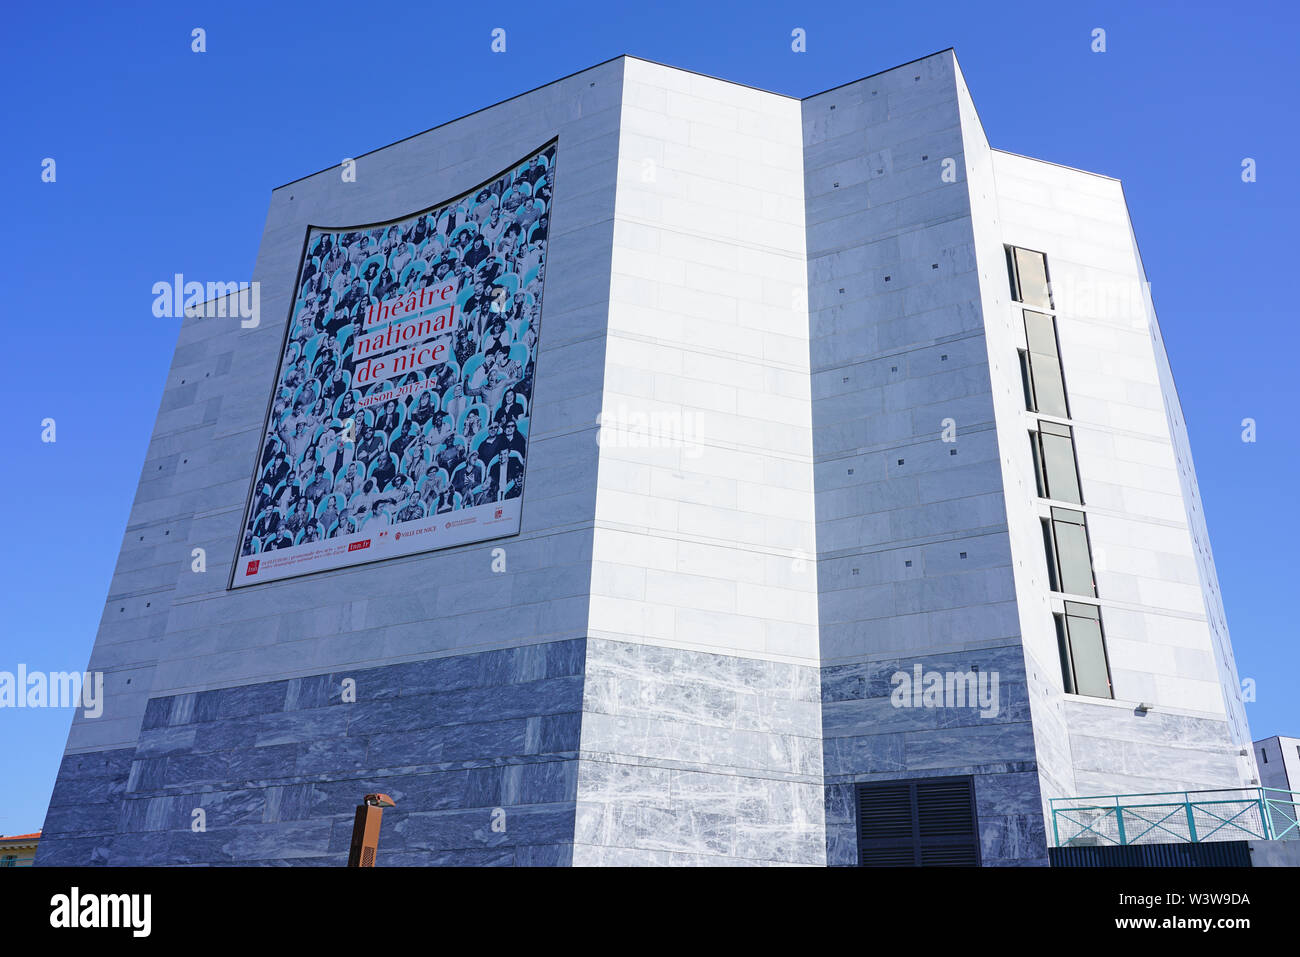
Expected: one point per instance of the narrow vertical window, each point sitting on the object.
(1026, 381)
(1063, 646)
(1084, 665)
(1011, 273)
(1054, 463)
(1073, 560)
(1031, 278)
(1053, 576)
(1040, 475)
(1045, 365)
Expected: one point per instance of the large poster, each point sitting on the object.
(400, 417)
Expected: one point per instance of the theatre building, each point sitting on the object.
(718, 477)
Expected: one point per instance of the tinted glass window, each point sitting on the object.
(1074, 564)
(1049, 387)
(1088, 652)
(1031, 271)
(1045, 365)
(1040, 331)
(1058, 466)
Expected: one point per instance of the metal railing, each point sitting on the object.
(1167, 817)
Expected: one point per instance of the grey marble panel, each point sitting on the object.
(1013, 839)
(590, 855)
(864, 754)
(331, 755)
(164, 741)
(252, 699)
(307, 693)
(82, 820)
(691, 758)
(544, 855)
(278, 768)
(74, 851)
(442, 830)
(291, 802)
(93, 778)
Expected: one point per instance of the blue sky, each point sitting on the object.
(166, 159)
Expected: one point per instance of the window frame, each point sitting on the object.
(1051, 542)
(1013, 275)
(1093, 614)
(1042, 471)
(1066, 647)
(1030, 371)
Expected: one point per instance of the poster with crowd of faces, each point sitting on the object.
(400, 417)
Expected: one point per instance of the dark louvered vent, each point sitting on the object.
(885, 812)
(928, 823)
(888, 857)
(945, 808)
(946, 855)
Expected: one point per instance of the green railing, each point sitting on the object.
(1170, 817)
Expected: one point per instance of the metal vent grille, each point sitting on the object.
(884, 813)
(956, 855)
(945, 808)
(888, 857)
(927, 823)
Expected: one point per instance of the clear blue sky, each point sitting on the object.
(166, 160)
